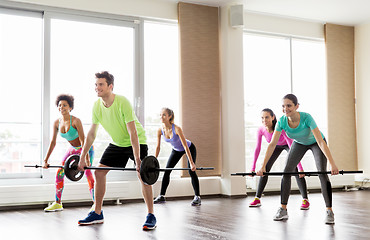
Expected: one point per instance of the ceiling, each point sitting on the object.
(343, 12)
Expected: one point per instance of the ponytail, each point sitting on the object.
(170, 113)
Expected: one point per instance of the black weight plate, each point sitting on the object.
(148, 170)
(70, 168)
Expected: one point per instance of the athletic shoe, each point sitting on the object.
(196, 201)
(281, 214)
(305, 204)
(329, 217)
(150, 222)
(92, 218)
(159, 199)
(54, 207)
(256, 203)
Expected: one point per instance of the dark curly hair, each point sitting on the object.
(108, 77)
(69, 98)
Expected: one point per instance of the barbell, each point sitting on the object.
(149, 169)
(308, 174)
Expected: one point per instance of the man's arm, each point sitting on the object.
(131, 128)
(90, 138)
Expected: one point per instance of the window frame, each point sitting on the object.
(47, 13)
(48, 17)
(164, 146)
(23, 13)
(290, 38)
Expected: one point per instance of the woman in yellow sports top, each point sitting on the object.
(70, 128)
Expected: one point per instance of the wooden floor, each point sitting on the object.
(216, 218)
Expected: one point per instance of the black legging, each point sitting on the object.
(295, 155)
(171, 163)
(301, 182)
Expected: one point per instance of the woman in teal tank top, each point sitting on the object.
(302, 128)
(70, 128)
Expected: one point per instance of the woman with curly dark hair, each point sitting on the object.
(70, 128)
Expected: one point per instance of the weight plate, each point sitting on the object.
(148, 170)
(70, 168)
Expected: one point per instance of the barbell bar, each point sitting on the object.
(39, 166)
(149, 169)
(294, 173)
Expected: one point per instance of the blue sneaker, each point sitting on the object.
(92, 218)
(150, 222)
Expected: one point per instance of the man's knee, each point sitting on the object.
(100, 174)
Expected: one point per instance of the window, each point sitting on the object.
(309, 79)
(21, 84)
(44, 55)
(78, 50)
(273, 67)
(161, 80)
(51, 53)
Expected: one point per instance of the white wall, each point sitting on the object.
(362, 88)
(148, 8)
(232, 106)
(285, 26)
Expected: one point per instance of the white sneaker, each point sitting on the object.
(329, 217)
(281, 214)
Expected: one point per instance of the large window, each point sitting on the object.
(78, 49)
(273, 67)
(161, 79)
(74, 62)
(21, 84)
(46, 54)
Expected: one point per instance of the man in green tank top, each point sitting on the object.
(116, 115)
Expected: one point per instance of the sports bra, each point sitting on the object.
(72, 133)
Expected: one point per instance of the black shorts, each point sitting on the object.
(115, 156)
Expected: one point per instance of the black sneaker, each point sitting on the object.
(196, 201)
(159, 199)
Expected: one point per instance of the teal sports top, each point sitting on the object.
(72, 133)
(303, 132)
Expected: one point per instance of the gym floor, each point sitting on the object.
(216, 218)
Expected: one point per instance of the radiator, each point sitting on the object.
(78, 192)
(273, 184)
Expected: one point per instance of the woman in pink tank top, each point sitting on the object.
(269, 121)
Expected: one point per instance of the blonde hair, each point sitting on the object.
(170, 113)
